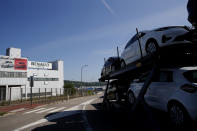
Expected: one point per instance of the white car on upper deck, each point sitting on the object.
(151, 41)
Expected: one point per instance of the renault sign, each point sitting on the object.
(20, 64)
(39, 65)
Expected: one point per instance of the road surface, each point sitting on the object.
(83, 114)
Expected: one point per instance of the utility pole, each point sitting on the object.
(31, 85)
(82, 75)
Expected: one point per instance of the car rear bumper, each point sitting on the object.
(193, 113)
(189, 102)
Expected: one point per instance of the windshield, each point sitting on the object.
(191, 76)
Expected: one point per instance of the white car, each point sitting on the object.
(110, 65)
(151, 41)
(173, 91)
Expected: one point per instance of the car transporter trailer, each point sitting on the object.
(167, 57)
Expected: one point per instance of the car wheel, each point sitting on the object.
(131, 98)
(151, 47)
(178, 115)
(122, 64)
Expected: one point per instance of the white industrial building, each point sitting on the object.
(15, 73)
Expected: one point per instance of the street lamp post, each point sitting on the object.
(82, 75)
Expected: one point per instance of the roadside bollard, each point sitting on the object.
(56, 91)
(39, 93)
(21, 94)
(10, 95)
(68, 97)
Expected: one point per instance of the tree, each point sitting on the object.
(68, 85)
(69, 89)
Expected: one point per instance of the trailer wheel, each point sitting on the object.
(152, 47)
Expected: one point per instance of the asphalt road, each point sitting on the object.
(86, 114)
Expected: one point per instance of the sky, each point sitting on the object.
(81, 32)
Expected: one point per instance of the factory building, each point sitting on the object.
(15, 73)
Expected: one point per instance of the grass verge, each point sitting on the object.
(2, 113)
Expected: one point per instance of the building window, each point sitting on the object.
(5, 74)
(44, 79)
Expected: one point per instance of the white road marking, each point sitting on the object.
(74, 108)
(46, 110)
(34, 110)
(17, 110)
(58, 109)
(100, 93)
(84, 107)
(31, 124)
(88, 102)
(68, 112)
(41, 106)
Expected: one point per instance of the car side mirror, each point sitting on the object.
(140, 34)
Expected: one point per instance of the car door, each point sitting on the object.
(138, 84)
(130, 50)
(160, 90)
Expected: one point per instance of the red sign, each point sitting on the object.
(20, 64)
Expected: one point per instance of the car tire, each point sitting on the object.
(178, 115)
(152, 47)
(131, 98)
(122, 64)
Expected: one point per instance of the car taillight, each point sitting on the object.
(189, 88)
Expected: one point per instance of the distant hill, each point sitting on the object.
(78, 83)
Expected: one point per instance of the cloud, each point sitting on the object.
(108, 7)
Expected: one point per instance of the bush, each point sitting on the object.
(69, 89)
(2, 113)
(90, 92)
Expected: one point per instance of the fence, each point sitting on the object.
(39, 95)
